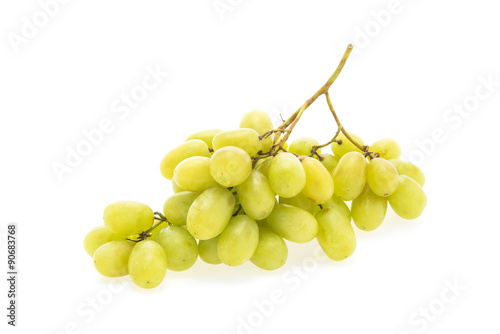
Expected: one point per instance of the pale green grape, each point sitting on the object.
(368, 210)
(97, 237)
(346, 146)
(111, 259)
(176, 187)
(319, 182)
(193, 174)
(409, 200)
(210, 213)
(256, 196)
(180, 247)
(147, 264)
(339, 205)
(387, 148)
(303, 146)
(208, 250)
(330, 162)
(349, 178)
(205, 135)
(286, 175)
(271, 252)
(292, 223)
(238, 241)
(190, 148)
(246, 139)
(261, 122)
(230, 166)
(154, 233)
(382, 177)
(263, 166)
(302, 202)
(335, 233)
(128, 217)
(176, 207)
(409, 169)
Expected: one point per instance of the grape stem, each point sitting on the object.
(146, 234)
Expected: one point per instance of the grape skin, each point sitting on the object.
(286, 175)
(387, 148)
(382, 177)
(409, 200)
(271, 252)
(238, 241)
(193, 174)
(409, 169)
(97, 237)
(346, 146)
(190, 148)
(147, 264)
(128, 217)
(349, 177)
(303, 146)
(244, 138)
(176, 207)
(368, 210)
(319, 182)
(207, 250)
(302, 202)
(330, 162)
(207, 136)
(179, 246)
(230, 166)
(111, 259)
(261, 122)
(292, 223)
(256, 196)
(335, 234)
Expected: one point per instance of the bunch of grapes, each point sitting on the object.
(239, 194)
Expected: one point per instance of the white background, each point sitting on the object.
(403, 81)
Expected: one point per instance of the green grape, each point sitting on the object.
(176, 207)
(238, 241)
(346, 146)
(190, 148)
(349, 177)
(263, 166)
(180, 247)
(337, 204)
(206, 135)
(111, 259)
(230, 166)
(128, 217)
(154, 233)
(261, 122)
(301, 201)
(382, 177)
(368, 210)
(409, 169)
(271, 252)
(97, 237)
(292, 223)
(409, 200)
(246, 139)
(319, 182)
(286, 175)
(303, 146)
(210, 213)
(208, 250)
(147, 264)
(176, 187)
(256, 196)
(330, 162)
(335, 233)
(193, 174)
(387, 148)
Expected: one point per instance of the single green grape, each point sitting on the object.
(387, 148)
(261, 122)
(230, 166)
(330, 162)
(409, 169)
(111, 259)
(238, 241)
(210, 213)
(271, 252)
(335, 233)
(337, 204)
(409, 200)
(176, 187)
(256, 196)
(349, 178)
(292, 223)
(244, 138)
(382, 177)
(97, 237)
(263, 166)
(193, 174)
(128, 217)
(301, 201)
(180, 247)
(205, 135)
(208, 250)
(319, 182)
(190, 148)
(303, 146)
(176, 207)
(368, 210)
(346, 145)
(147, 264)
(286, 175)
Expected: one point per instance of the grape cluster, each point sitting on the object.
(239, 193)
